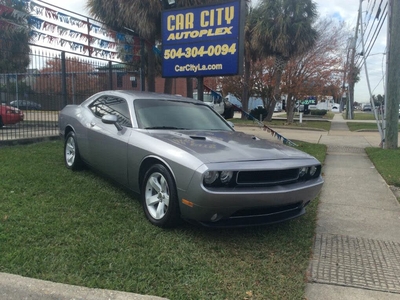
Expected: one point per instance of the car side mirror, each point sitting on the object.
(111, 119)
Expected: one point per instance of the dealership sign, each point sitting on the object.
(203, 41)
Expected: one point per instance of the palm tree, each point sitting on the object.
(250, 55)
(284, 29)
(143, 17)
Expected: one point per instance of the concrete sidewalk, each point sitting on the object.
(356, 252)
(357, 246)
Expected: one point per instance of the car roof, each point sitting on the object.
(147, 95)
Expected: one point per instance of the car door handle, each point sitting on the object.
(92, 124)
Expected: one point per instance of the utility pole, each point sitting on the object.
(393, 76)
(352, 71)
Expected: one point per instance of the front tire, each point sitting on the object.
(1, 122)
(72, 157)
(159, 197)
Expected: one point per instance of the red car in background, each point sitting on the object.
(10, 115)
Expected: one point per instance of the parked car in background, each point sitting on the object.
(186, 161)
(219, 104)
(367, 107)
(25, 105)
(278, 107)
(10, 115)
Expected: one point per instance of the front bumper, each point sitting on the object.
(247, 206)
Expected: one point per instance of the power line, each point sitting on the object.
(372, 43)
(370, 13)
(381, 16)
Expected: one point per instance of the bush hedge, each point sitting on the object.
(256, 112)
(318, 112)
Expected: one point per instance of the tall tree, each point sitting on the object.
(250, 56)
(14, 37)
(284, 29)
(317, 71)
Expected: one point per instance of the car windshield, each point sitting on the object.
(162, 114)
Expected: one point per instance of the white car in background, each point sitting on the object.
(335, 108)
(219, 104)
(278, 107)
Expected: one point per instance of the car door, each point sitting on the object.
(108, 146)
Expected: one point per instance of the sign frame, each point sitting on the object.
(203, 41)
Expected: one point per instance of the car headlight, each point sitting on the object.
(218, 178)
(303, 171)
(226, 176)
(313, 169)
(210, 177)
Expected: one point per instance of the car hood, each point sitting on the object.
(226, 146)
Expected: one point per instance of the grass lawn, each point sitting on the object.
(387, 162)
(363, 116)
(356, 126)
(306, 124)
(79, 228)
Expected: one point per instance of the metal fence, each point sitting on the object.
(52, 80)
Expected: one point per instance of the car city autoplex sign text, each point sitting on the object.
(219, 17)
(202, 41)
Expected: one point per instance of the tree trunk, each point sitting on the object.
(246, 80)
(280, 64)
(290, 109)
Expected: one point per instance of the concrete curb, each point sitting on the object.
(15, 287)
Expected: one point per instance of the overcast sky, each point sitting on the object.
(346, 10)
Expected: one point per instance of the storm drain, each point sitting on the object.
(345, 149)
(356, 262)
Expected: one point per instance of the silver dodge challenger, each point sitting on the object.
(186, 161)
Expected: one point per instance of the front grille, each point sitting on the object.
(264, 211)
(267, 177)
(250, 217)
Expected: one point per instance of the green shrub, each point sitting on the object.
(318, 112)
(256, 112)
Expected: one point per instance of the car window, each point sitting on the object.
(110, 105)
(161, 114)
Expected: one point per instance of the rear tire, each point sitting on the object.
(159, 197)
(72, 157)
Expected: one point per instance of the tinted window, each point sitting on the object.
(159, 114)
(109, 105)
